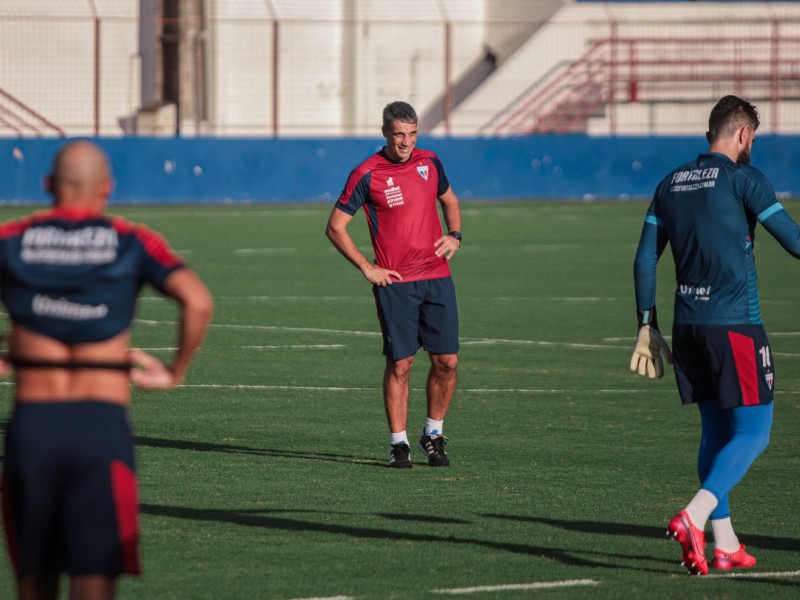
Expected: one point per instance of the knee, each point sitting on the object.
(445, 364)
(400, 369)
(756, 427)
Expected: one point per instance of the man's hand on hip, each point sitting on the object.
(379, 276)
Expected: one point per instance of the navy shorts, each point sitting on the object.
(730, 364)
(418, 314)
(69, 490)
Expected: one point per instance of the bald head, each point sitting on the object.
(80, 177)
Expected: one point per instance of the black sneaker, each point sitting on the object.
(400, 457)
(433, 447)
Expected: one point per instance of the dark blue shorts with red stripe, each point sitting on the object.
(69, 489)
(730, 364)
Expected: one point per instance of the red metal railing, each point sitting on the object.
(24, 120)
(617, 70)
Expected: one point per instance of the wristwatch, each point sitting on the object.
(456, 234)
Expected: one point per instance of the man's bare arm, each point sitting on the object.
(340, 238)
(447, 245)
(196, 307)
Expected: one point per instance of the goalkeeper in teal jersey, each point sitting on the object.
(707, 210)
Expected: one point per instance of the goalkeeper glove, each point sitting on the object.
(650, 346)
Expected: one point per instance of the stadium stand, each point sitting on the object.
(640, 68)
(305, 68)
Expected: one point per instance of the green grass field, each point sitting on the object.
(264, 476)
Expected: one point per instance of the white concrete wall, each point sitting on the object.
(339, 61)
(47, 61)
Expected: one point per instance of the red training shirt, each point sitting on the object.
(400, 201)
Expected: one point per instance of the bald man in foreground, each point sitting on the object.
(69, 279)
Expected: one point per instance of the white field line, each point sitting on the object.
(500, 341)
(753, 575)
(369, 298)
(298, 298)
(297, 347)
(557, 298)
(477, 391)
(584, 299)
(544, 585)
(419, 390)
(541, 585)
(630, 339)
(464, 341)
(263, 251)
(327, 598)
(270, 328)
(218, 214)
(304, 388)
(157, 349)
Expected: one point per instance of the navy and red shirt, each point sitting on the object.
(75, 275)
(400, 202)
(707, 210)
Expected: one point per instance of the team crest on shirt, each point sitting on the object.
(423, 170)
(769, 377)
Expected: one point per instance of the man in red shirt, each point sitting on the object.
(398, 188)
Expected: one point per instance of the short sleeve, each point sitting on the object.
(444, 184)
(355, 192)
(159, 260)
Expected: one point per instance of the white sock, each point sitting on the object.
(433, 427)
(400, 438)
(725, 538)
(700, 507)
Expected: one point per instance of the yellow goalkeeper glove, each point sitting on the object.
(650, 346)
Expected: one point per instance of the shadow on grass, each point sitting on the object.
(422, 519)
(3, 428)
(150, 442)
(627, 529)
(250, 518)
(756, 541)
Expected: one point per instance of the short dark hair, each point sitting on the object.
(730, 113)
(399, 111)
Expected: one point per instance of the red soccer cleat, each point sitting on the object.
(692, 541)
(736, 560)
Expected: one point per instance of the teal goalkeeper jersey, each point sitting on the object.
(707, 210)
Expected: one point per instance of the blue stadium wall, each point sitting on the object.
(191, 170)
